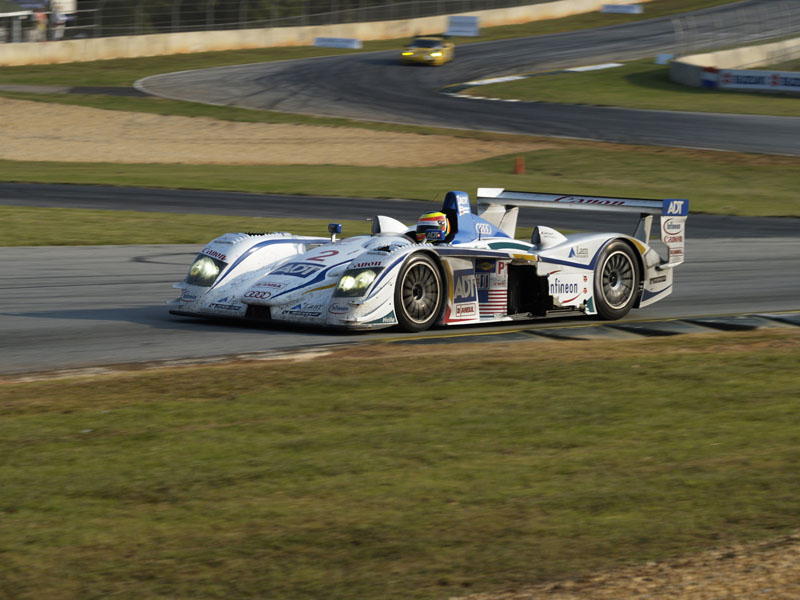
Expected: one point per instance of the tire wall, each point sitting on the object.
(31, 53)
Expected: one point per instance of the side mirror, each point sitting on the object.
(333, 229)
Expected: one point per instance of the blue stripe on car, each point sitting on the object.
(647, 295)
(319, 277)
(251, 250)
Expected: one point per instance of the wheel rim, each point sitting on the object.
(618, 279)
(420, 293)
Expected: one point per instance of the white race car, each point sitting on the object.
(472, 272)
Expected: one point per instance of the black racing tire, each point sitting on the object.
(616, 281)
(418, 293)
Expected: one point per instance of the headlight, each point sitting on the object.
(204, 271)
(408, 53)
(356, 282)
(436, 54)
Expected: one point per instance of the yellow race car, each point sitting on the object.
(430, 50)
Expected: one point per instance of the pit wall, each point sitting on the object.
(39, 53)
(697, 70)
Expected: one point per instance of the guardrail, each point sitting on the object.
(712, 30)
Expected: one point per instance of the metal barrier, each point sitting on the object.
(736, 26)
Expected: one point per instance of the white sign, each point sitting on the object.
(328, 42)
(778, 81)
(628, 9)
(463, 26)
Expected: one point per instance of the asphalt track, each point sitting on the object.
(374, 86)
(83, 306)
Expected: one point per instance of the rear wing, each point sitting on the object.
(500, 207)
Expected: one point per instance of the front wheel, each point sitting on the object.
(616, 281)
(418, 294)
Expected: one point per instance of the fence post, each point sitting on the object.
(176, 16)
(209, 14)
(138, 17)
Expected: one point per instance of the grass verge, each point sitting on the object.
(24, 226)
(81, 227)
(636, 84)
(295, 481)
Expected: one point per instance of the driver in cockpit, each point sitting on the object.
(432, 227)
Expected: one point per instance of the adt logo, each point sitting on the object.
(297, 269)
(676, 208)
(464, 286)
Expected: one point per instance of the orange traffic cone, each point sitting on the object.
(519, 166)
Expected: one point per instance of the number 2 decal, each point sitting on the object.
(323, 255)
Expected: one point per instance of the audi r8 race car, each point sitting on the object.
(455, 267)
(430, 50)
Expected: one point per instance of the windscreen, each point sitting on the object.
(426, 44)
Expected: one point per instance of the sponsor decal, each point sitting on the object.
(759, 79)
(483, 229)
(595, 201)
(464, 288)
(271, 284)
(785, 80)
(672, 227)
(491, 274)
(365, 265)
(676, 251)
(225, 304)
(214, 254)
(298, 269)
(578, 252)
(485, 266)
(188, 297)
(463, 204)
(676, 208)
(672, 239)
(338, 309)
(300, 310)
(661, 279)
(563, 288)
(260, 294)
(231, 307)
(742, 79)
(568, 288)
(465, 310)
(388, 319)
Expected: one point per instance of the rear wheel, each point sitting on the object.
(616, 281)
(418, 294)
